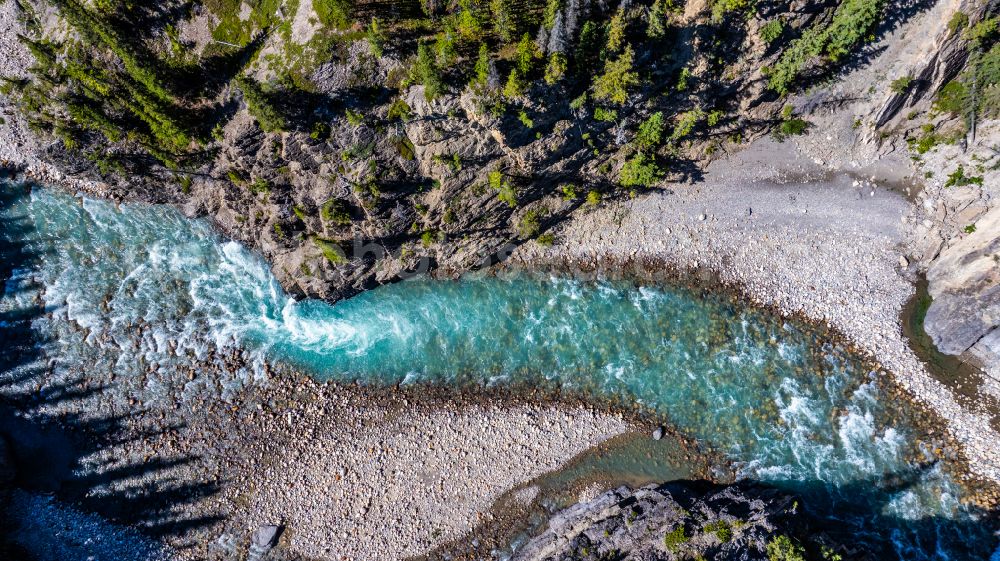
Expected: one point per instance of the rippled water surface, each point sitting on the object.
(146, 292)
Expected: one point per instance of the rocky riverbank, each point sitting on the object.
(349, 472)
(674, 521)
(791, 235)
(824, 226)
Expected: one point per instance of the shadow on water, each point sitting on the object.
(57, 444)
(864, 520)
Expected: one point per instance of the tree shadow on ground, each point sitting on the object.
(59, 444)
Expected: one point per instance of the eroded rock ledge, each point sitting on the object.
(679, 520)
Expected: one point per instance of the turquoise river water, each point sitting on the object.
(138, 286)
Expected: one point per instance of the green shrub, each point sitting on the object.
(782, 548)
(330, 250)
(792, 127)
(335, 13)
(569, 192)
(399, 110)
(546, 240)
(354, 118)
(526, 120)
(495, 179)
(929, 138)
(531, 223)
(721, 529)
(605, 115)
(983, 31)
(675, 538)
(593, 198)
(901, 85)
(618, 78)
(958, 22)
(958, 178)
(952, 98)
(722, 7)
(772, 30)
(261, 106)
(650, 132)
(259, 186)
(640, 171)
(320, 131)
(505, 190)
(508, 194)
(405, 148)
(970, 229)
(335, 211)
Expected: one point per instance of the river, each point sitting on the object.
(144, 291)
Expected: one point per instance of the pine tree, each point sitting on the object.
(376, 37)
(552, 9)
(619, 76)
(260, 105)
(556, 68)
(557, 36)
(483, 65)
(504, 20)
(526, 54)
(427, 72)
(589, 46)
(650, 132)
(469, 24)
(616, 32)
(657, 20)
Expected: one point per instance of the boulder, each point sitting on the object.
(671, 521)
(964, 282)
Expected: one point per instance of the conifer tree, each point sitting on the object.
(619, 76)
(427, 72)
(657, 20)
(504, 19)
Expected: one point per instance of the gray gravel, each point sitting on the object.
(792, 235)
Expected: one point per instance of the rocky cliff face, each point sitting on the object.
(372, 177)
(965, 284)
(674, 521)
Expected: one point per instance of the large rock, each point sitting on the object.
(965, 284)
(673, 521)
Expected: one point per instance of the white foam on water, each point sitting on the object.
(199, 293)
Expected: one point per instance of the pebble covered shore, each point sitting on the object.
(789, 235)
